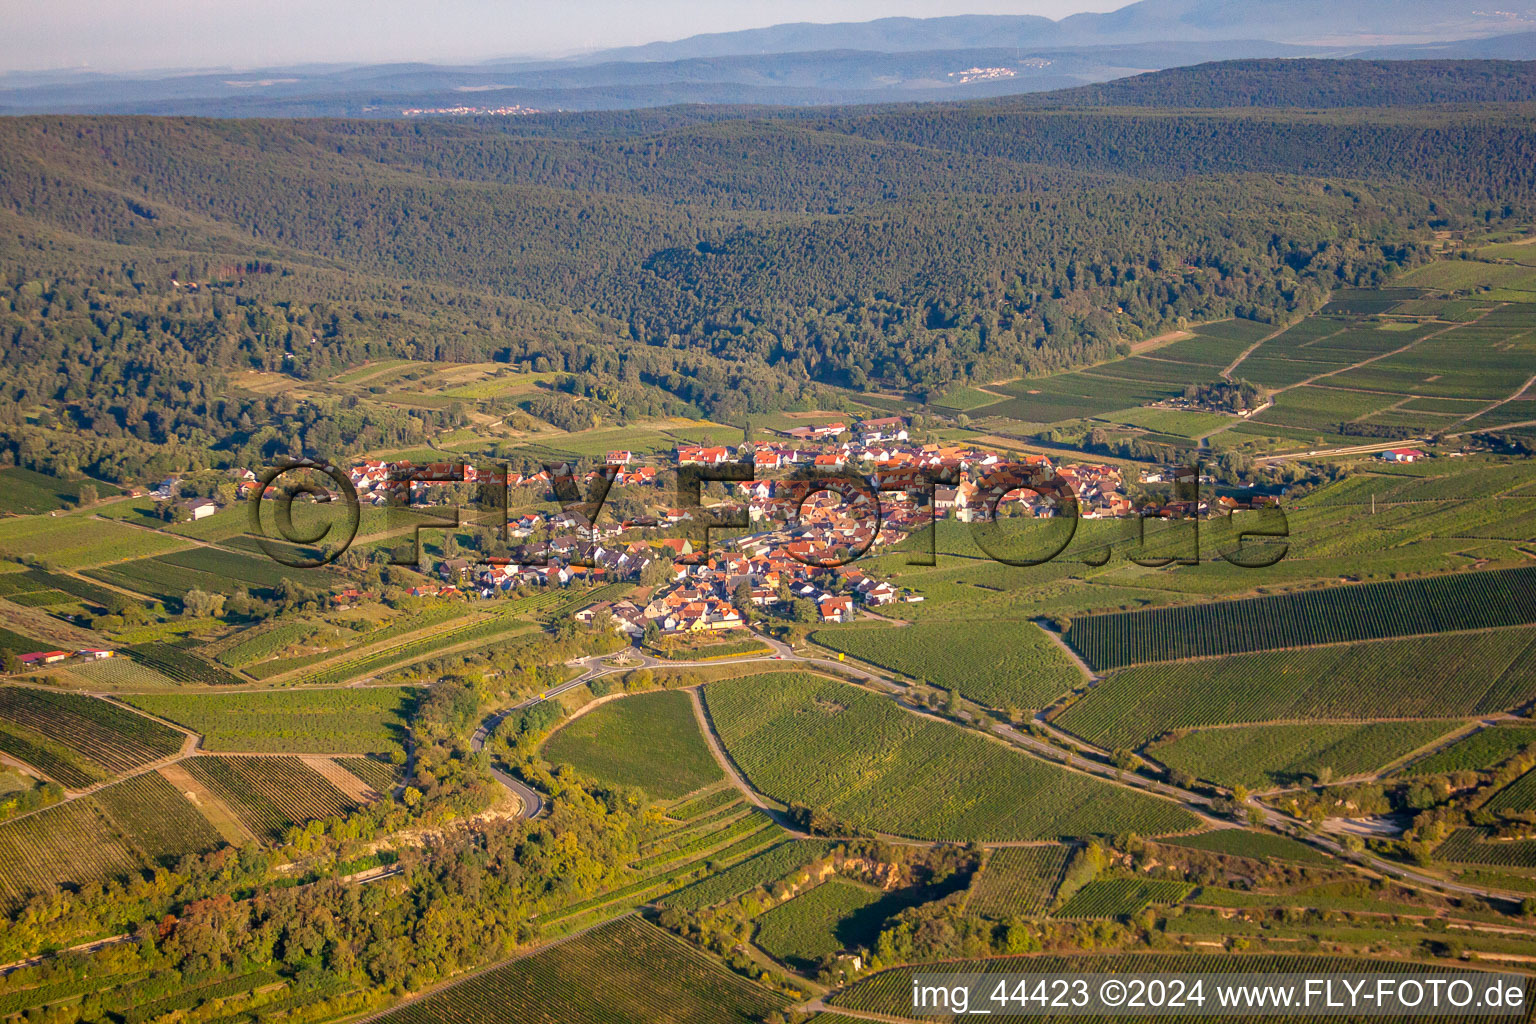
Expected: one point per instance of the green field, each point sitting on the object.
(1516, 798)
(1240, 842)
(1121, 897)
(837, 914)
(1018, 881)
(1478, 846)
(356, 720)
(807, 739)
(269, 794)
(1431, 677)
(1483, 749)
(1277, 755)
(78, 540)
(25, 492)
(627, 971)
(763, 869)
(157, 820)
(70, 842)
(650, 740)
(999, 664)
(97, 736)
(1435, 604)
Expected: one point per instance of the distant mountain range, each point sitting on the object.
(889, 60)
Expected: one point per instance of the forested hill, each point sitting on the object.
(728, 267)
(1307, 82)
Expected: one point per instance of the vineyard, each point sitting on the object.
(999, 664)
(380, 776)
(175, 663)
(807, 739)
(123, 673)
(1483, 749)
(55, 761)
(1240, 842)
(1121, 897)
(1018, 881)
(263, 644)
(431, 615)
(269, 794)
(1427, 677)
(763, 869)
(622, 973)
(890, 992)
(1477, 846)
(110, 737)
(819, 921)
(157, 820)
(1517, 797)
(1275, 755)
(650, 740)
(482, 628)
(1341, 614)
(348, 721)
(69, 842)
(73, 541)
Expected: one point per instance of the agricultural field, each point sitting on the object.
(1478, 846)
(1018, 881)
(380, 776)
(1261, 756)
(104, 737)
(998, 664)
(355, 720)
(1241, 842)
(1483, 749)
(807, 739)
(623, 972)
(157, 820)
(1458, 675)
(77, 540)
(262, 644)
(837, 914)
(1121, 897)
(269, 794)
(69, 842)
(180, 665)
(763, 869)
(1341, 614)
(120, 673)
(211, 569)
(1516, 798)
(24, 492)
(649, 740)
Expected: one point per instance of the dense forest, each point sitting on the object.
(725, 267)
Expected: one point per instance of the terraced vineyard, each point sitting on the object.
(342, 721)
(1369, 611)
(1121, 897)
(69, 842)
(269, 794)
(622, 973)
(156, 819)
(1018, 881)
(999, 664)
(1424, 677)
(102, 735)
(808, 739)
(817, 922)
(649, 740)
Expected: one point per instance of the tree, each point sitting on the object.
(9, 662)
(201, 605)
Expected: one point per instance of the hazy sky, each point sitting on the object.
(113, 35)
